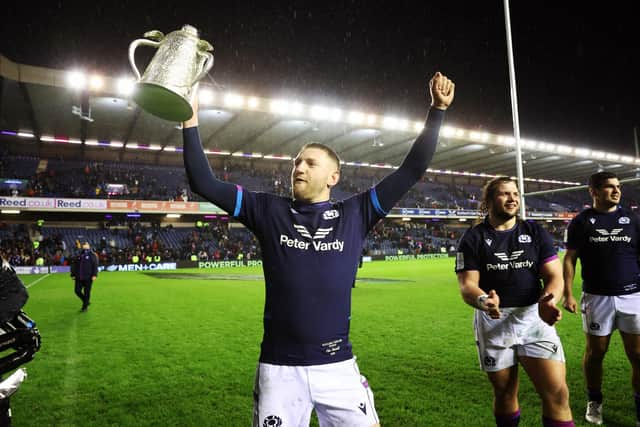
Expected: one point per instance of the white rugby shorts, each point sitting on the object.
(603, 314)
(284, 396)
(518, 332)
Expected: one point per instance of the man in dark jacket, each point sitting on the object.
(84, 270)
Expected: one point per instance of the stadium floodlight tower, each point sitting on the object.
(514, 109)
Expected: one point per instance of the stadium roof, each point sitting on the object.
(40, 104)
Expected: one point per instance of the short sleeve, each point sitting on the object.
(547, 250)
(574, 235)
(466, 254)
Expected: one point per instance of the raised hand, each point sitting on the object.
(442, 91)
(193, 121)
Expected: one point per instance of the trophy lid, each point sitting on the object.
(191, 30)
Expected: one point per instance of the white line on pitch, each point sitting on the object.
(43, 277)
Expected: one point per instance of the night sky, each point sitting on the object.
(577, 66)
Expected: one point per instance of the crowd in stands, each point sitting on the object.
(118, 180)
(137, 242)
(127, 242)
(134, 241)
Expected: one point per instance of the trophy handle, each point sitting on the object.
(132, 50)
(206, 66)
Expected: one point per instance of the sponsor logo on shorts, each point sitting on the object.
(272, 421)
(489, 362)
(363, 407)
(594, 326)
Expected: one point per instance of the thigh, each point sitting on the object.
(628, 313)
(341, 395)
(495, 342)
(598, 314)
(281, 397)
(631, 345)
(546, 375)
(504, 381)
(538, 340)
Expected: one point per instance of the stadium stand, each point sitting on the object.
(119, 242)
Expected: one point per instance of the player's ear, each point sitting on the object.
(333, 179)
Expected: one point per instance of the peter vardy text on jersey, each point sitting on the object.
(606, 239)
(506, 265)
(337, 245)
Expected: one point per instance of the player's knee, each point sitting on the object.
(505, 394)
(595, 353)
(556, 395)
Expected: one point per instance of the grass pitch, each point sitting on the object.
(180, 349)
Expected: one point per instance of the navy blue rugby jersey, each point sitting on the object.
(508, 261)
(608, 247)
(310, 251)
(310, 259)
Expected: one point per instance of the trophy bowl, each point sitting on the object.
(166, 87)
(162, 102)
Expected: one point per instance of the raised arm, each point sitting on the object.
(199, 173)
(394, 186)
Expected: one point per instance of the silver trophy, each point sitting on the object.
(166, 87)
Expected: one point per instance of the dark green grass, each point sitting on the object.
(182, 351)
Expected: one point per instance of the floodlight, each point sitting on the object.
(234, 100)
(205, 96)
(76, 80)
(319, 112)
(96, 82)
(125, 86)
(253, 103)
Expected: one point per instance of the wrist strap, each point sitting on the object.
(481, 302)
